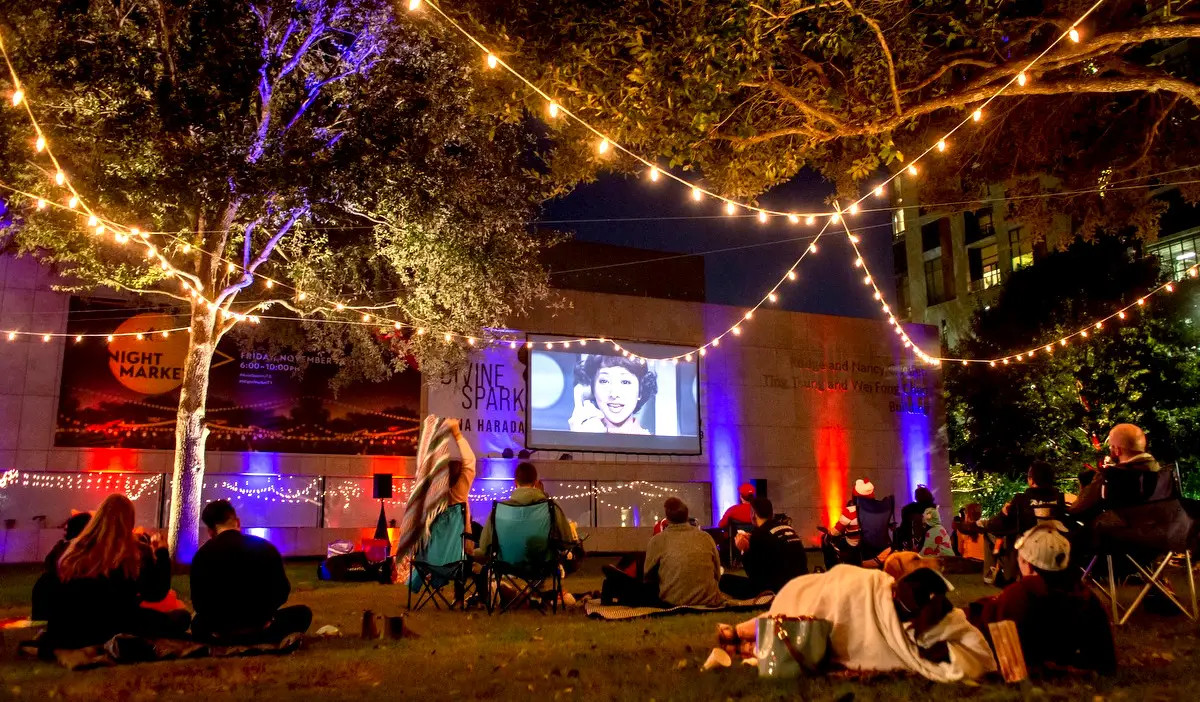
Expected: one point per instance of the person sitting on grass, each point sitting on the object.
(101, 580)
(683, 560)
(772, 555)
(1060, 622)
(239, 586)
(44, 586)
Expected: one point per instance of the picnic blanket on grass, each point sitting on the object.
(127, 648)
(867, 633)
(617, 612)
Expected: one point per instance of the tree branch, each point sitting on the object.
(1152, 83)
(887, 53)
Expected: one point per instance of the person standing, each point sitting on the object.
(239, 586)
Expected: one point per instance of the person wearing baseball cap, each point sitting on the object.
(1060, 622)
(741, 512)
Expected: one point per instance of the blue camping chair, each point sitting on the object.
(442, 561)
(525, 552)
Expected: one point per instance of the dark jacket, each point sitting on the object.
(1028, 509)
(238, 582)
(776, 555)
(1093, 498)
(910, 532)
(90, 611)
(1063, 626)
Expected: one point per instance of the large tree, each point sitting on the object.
(751, 91)
(269, 146)
(1144, 369)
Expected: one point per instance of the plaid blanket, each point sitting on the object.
(619, 612)
(431, 490)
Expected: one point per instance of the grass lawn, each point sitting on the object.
(528, 655)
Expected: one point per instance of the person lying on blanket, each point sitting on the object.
(882, 624)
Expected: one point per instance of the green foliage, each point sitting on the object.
(219, 123)
(1144, 370)
(749, 92)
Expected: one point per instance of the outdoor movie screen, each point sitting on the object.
(592, 398)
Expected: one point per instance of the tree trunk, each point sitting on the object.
(191, 434)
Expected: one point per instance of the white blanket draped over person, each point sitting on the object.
(867, 632)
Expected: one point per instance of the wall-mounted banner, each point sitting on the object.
(488, 397)
(124, 393)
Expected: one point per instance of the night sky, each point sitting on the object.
(828, 282)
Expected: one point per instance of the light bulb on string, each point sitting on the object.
(552, 110)
(1074, 35)
(835, 218)
(73, 202)
(1021, 79)
(810, 220)
(812, 248)
(653, 174)
(17, 96)
(40, 145)
(791, 274)
(762, 217)
(853, 208)
(413, 5)
(60, 178)
(794, 218)
(772, 297)
(730, 208)
(912, 169)
(977, 115)
(602, 147)
(492, 61)
(879, 191)
(941, 146)
(858, 263)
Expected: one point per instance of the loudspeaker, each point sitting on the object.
(382, 489)
(760, 487)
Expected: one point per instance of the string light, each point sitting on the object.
(696, 194)
(654, 174)
(413, 5)
(491, 60)
(941, 146)
(553, 110)
(1074, 35)
(977, 115)
(1021, 79)
(602, 147)
(730, 208)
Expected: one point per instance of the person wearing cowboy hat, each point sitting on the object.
(1060, 622)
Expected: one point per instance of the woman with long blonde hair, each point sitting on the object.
(103, 577)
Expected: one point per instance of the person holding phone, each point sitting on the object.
(609, 393)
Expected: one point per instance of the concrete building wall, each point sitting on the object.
(807, 402)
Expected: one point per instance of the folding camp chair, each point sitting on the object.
(1147, 522)
(525, 552)
(876, 521)
(442, 561)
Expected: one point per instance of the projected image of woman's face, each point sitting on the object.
(616, 393)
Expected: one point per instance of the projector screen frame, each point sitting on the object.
(532, 340)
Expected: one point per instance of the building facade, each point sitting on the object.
(808, 403)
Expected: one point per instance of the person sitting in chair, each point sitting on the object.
(742, 511)
(239, 586)
(772, 555)
(1127, 450)
(525, 492)
(1041, 503)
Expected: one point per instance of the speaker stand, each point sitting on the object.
(381, 531)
